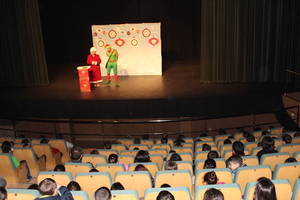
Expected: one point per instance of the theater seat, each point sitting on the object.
(290, 171)
(180, 193)
(151, 166)
(62, 146)
(138, 181)
(183, 150)
(185, 165)
(213, 148)
(161, 146)
(61, 178)
(157, 158)
(22, 194)
(8, 170)
(255, 151)
(250, 145)
(188, 144)
(251, 174)
(223, 174)
(282, 187)
(276, 130)
(45, 149)
(139, 146)
(124, 195)
(230, 191)
(162, 152)
(297, 156)
(206, 138)
(129, 152)
(273, 159)
(90, 182)
(250, 160)
(76, 168)
(296, 190)
(296, 140)
(202, 155)
(199, 144)
(111, 168)
(93, 158)
(125, 141)
(220, 162)
(107, 152)
(118, 147)
(147, 142)
(290, 148)
(184, 156)
(224, 148)
(125, 159)
(80, 195)
(175, 178)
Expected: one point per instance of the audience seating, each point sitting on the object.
(125, 141)
(297, 156)
(183, 150)
(61, 178)
(202, 155)
(213, 148)
(45, 149)
(184, 156)
(273, 159)
(223, 174)
(22, 194)
(90, 182)
(230, 191)
(161, 146)
(290, 148)
(139, 181)
(296, 140)
(290, 171)
(282, 187)
(175, 178)
(124, 195)
(76, 168)
(93, 158)
(185, 165)
(62, 146)
(220, 162)
(245, 175)
(118, 147)
(250, 160)
(147, 142)
(111, 168)
(157, 158)
(106, 152)
(163, 152)
(180, 193)
(188, 145)
(199, 144)
(276, 130)
(250, 145)
(125, 159)
(139, 146)
(80, 195)
(129, 152)
(8, 171)
(255, 151)
(296, 190)
(151, 166)
(225, 147)
(206, 138)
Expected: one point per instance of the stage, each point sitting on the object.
(178, 93)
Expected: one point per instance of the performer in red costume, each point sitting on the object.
(94, 60)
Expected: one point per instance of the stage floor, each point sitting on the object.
(178, 92)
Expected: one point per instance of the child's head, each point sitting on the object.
(209, 164)
(73, 186)
(171, 165)
(103, 193)
(140, 167)
(212, 155)
(206, 147)
(112, 158)
(238, 148)
(142, 156)
(117, 186)
(3, 193)
(165, 195)
(175, 157)
(2, 182)
(290, 160)
(227, 141)
(164, 140)
(59, 168)
(7, 147)
(76, 154)
(213, 194)
(234, 162)
(94, 170)
(250, 138)
(287, 138)
(47, 187)
(264, 189)
(165, 185)
(210, 178)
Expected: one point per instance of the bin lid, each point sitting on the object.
(83, 67)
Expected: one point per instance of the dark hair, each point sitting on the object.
(175, 157)
(264, 190)
(47, 186)
(268, 143)
(227, 141)
(213, 194)
(26, 142)
(6, 147)
(113, 158)
(3, 182)
(142, 156)
(140, 167)
(94, 152)
(209, 164)
(297, 134)
(210, 178)
(165, 195)
(137, 141)
(265, 133)
(287, 138)
(73, 186)
(171, 165)
(117, 186)
(3, 193)
(250, 138)
(44, 141)
(206, 147)
(76, 154)
(212, 155)
(94, 170)
(33, 187)
(238, 148)
(59, 168)
(290, 160)
(164, 140)
(234, 159)
(103, 193)
(222, 131)
(165, 185)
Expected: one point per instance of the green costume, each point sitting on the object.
(112, 62)
(15, 161)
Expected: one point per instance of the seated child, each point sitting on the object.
(3, 193)
(210, 178)
(234, 163)
(49, 190)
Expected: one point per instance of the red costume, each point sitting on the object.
(94, 71)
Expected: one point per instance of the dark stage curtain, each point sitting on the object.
(249, 40)
(22, 60)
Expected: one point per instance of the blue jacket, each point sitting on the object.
(63, 194)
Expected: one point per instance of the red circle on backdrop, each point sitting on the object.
(153, 41)
(119, 42)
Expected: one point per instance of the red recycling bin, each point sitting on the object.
(84, 80)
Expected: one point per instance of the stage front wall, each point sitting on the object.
(139, 47)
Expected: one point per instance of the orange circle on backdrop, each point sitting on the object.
(112, 34)
(146, 32)
(134, 42)
(100, 43)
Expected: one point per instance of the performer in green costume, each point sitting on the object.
(112, 64)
